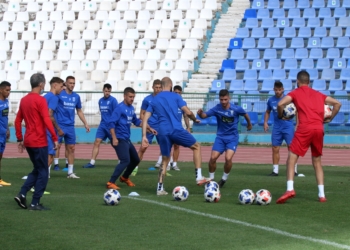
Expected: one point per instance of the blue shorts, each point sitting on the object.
(103, 133)
(278, 135)
(150, 137)
(69, 135)
(221, 145)
(2, 143)
(180, 137)
(50, 145)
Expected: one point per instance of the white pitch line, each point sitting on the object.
(269, 229)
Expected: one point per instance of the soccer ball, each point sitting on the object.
(289, 111)
(112, 197)
(180, 193)
(211, 184)
(327, 111)
(212, 194)
(263, 197)
(246, 196)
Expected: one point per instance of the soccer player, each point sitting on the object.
(5, 88)
(282, 129)
(119, 125)
(166, 105)
(34, 111)
(69, 101)
(309, 133)
(227, 115)
(107, 105)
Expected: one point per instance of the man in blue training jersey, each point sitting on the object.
(166, 105)
(69, 101)
(227, 115)
(107, 105)
(282, 129)
(119, 125)
(5, 88)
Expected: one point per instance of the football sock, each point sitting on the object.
(290, 185)
(66, 161)
(56, 160)
(296, 168)
(160, 186)
(224, 176)
(199, 173)
(92, 162)
(321, 191)
(159, 160)
(70, 168)
(212, 175)
(275, 168)
(174, 163)
(171, 160)
(49, 169)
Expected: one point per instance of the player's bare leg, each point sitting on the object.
(70, 151)
(212, 163)
(197, 159)
(95, 151)
(57, 157)
(316, 162)
(275, 160)
(227, 167)
(161, 175)
(176, 153)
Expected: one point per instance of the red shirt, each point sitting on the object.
(310, 107)
(33, 109)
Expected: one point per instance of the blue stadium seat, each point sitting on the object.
(297, 42)
(345, 74)
(289, 32)
(273, 4)
(323, 63)
(343, 42)
(333, 3)
(287, 84)
(347, 31)
(267, 23)
(313, 74)
(301, 53)
(319, 85)
(279, 74)
(327, 42)
(344, 22)
(259, 106)
(304, 32)
(338, 120)
(253, 54)
(248, 43)
(242, 33)
(309, 13)
(329, 22)
(237, 54)
(302, 4)
(324, 13)
(265, 74)
(339, 12)
(347, 123)
(229, 74)
(275, 64)
(258, 64)
(271, 93)
(211, 104)
(227, 64)
(347, 86)
(314, 42)
(250, 74)
(339, 64)
(293, 74)
(313, 22)
(264, 43)
(333, 53)
(263, 13)
(258, 33)
(249, 13)
(346, 53)
(341, 93)
(239, 92)
(278, 13)
(242, 65)
(345, 105)
(325, 92)
(269, 122)
(258, 4)
(217, 85)
(282, 22)
(203, 121)
(307, 63)
(235, 43)
(288, 4)
(252, 96)
(236, 85)
(335, 85)
(247, 106)
(293, 13)
(316, 53)
(298, 22)
(320, 32)
(273, 32)
(346, 4)
(250, 85)
(251, 23)
(336, 32)
(279, 43)
(267, 85)
(253, 119)
(270, 54)
(318, 4)
(290, 64)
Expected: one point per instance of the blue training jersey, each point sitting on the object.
(166, 105)
(67, 104)
(52, 102)
(4, 118)
(277, 123)
(227, 120)
(180, 112)
(107, 106)
(153, 120)
(121, 119)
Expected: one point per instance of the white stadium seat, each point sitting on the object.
(73, 65)
(118, 65)
(166, 65)
(102, 65)
(79, 44)
(112, 44)
(87, 65)
(150, 64)
(48, 45)
(175, 44)
(140, 54)
(162, 44)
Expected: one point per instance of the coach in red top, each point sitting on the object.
(309, 133)
(34, 111)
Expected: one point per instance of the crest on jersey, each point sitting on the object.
(107, 102)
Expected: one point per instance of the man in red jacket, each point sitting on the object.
(34, 111)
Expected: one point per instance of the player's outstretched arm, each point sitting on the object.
(190, 114)
(201, 114)
(281, 104)
(187, 123)
(266, 118)
(82, 118)
(336, 106)
(249, 124)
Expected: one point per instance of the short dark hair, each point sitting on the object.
(36, 79)
(56, 80)
(303, 76)
(156, 82)
(129, 90)
(4, 84)
(178, 87)
(224, 92)
(70, 77)
(107, 86)
(278, 84)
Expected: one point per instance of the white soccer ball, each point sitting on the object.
(180, 193)
(263, 197)
(212, 194)
(211, 184)
(112, 197)
(327, 111)
(289, 111)
(246, 197)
